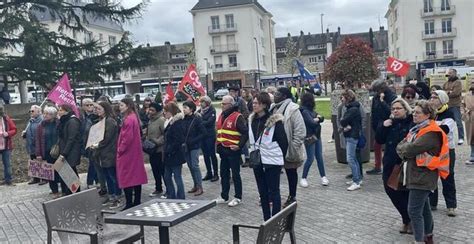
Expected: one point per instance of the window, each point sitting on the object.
(396, 34)
(395, 15)
(446, 24)
(215, 22)
(263, 60)
(317, 46)
(229, 21)
(445, 5)
(216, 40)
(428, 6)
(262, 41)
(431, 48)
(281, 50)
(392, 37)
(429, 27)
(261, 24)
(230, 39)
(313, 60)
(448, 47)
(398, 52)
(112, 41)
(232, 60)
(101, 37)
(218, 62)
(87, 37)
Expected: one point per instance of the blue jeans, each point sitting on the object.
(268, 184)
(110, 175)
(192, 157)
(457, 117)
(351, 148)
(420, 213)
(7, 167)
(208, 147)
(472, 153)
(170, 172)
(228, 163)
(314, 150)
(91, 174)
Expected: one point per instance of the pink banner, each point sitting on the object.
(62, 94)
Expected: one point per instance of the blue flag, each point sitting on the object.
(305, 74)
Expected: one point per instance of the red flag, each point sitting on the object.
(62, 94)
(169, 95)
(191, 86)
(397, 67)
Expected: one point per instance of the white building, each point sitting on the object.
(431, 33)
(228, 34)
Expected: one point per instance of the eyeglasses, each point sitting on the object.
(32, 111)
(397, 108)
(409, 97)
(89, 105)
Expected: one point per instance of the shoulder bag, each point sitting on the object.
(255, 158)
(184, 146)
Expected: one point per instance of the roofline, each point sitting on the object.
(261, 9)
(391, 5)
(93, 25)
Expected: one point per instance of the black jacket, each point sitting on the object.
(353, 118)
(258, 126)
(447, 114)
(70, 138)
(209, 121)
(381, 110)
(242, 128)
(174, 138)
(194, 131)
(105, 154)
(391, 136)
(312, 127)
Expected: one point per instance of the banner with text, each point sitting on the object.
(40, 169)
(62, 94)
(191, 86)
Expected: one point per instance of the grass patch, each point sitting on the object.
(324, 108)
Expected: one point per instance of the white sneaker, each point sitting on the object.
(469, 163)
(234, 202)
(331, 141)
(324, 181)
(220, 200)
(303, 183)
(461, 141)
(351, 182)
(354, 187)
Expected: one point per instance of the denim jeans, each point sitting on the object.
(208, 147)
(158, 169)
(170, 172)
(7, 167)
(314, 151)
(91, 174)
(228, 163)
(268, 184)
(449, 186)
(192, 158)
(420, 213)
(351, 148)
(110, 175)
(457, 117)
(245, 150)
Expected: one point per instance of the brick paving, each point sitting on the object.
(325, 214)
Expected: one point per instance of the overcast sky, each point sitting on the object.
(170, 20)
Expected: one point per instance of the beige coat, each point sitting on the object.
(468, 117)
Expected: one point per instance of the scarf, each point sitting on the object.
(442, 109)
(416, 129)
(204, 110)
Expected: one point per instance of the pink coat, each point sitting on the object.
(130, 163)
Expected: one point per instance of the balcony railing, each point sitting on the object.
(438, 11)
(440, 55)
(224, 48)
(213, 29)
(226, 67)
(438, 33)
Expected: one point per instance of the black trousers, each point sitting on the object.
(400, 201)
(158, 169)
(449, 185)
(292, 175)
(133, 196)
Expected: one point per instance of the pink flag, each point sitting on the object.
(62, 94)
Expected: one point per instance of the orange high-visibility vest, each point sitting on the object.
(438, 162)
(227, 133)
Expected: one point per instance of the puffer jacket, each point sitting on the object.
(352, 118)
(174, 138)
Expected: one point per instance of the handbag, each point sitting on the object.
(362, 142)
(54, 152)
(184, 146)
(394, 178)
(255, 158)
(149, 147)
(310, 140)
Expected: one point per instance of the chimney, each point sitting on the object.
(289, 34)
(148, 45)
(382, 28)
(301, 33)
(339, 30)
(167, 43)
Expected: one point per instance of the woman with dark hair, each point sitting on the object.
(131, 172)
(104, 152)
(267, 134)
(70, 140)
(208, 143)
(313, 145)
(410, 95)
(143, 112)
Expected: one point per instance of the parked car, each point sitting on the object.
(117, 98)
(143, 96)
(221, 93)
(15, 98)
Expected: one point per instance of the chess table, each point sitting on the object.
(163, 213)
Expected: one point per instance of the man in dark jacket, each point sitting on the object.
(381, 103)
(155, 133)
(453, 87)
(242, 108)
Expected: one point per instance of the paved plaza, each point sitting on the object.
(325, 214)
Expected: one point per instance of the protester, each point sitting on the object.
(194, 133)
(313, 144)
(425, 152)
(295, 132)
(435, 88)
(208, 143)
(70, 141)
(351, 123)
(267, 134)
(30, 135)
(248, 98)
(8, 131)
(380, 112)
(143, 112)
(391, 132)
(46, 138)
(271, 90)
(232, 136)
(445, 119)
(409, 95)
(173, 155)
(243, 110)
(155, 134)
(131, 172)
(453, 88)
(468, 117)
(104, 153)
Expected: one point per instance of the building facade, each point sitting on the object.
(431, 33)
(228, 35)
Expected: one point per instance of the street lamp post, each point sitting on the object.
(207, 75)
(257, 75)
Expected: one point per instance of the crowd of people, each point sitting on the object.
(268, 131)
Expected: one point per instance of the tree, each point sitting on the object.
(292, 53)
(42, 55)
(353, 62)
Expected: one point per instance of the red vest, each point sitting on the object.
(227, 133)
